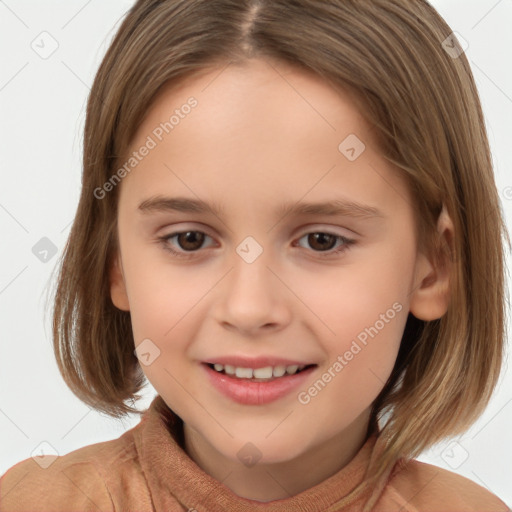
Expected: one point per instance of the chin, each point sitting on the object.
(262, 451)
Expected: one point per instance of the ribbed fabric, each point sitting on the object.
(146, 469)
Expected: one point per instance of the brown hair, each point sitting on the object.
(423, 106)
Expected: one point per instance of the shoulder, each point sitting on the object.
(79, 480)
(416, 486)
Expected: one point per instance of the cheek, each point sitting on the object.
(167, 306)
(357, 301)
(367, 344)
(373, 350)
(364, 310)
(164, 305)
(160, 291)
(361, 360)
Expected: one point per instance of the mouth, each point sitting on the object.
(263, 374)
(257, 386)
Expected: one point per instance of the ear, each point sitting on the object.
(117, 285)
(430, 299)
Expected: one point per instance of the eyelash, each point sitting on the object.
(347, 243)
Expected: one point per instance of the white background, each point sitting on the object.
(42, 104)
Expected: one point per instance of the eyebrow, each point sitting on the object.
(337, 207)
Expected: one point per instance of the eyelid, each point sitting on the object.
(347, 241)
(325, 228)
(317, 228)
(168, 230)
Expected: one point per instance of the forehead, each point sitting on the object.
(262, 95)
(263, 126)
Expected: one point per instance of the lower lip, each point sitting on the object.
(246, 392)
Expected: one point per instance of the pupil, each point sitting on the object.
(322, 237)
(190, 237)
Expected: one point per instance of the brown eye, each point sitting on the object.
(325, 244)
(190, 240)
(188, 243)
(322, 241)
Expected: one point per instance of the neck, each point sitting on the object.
(279, 480)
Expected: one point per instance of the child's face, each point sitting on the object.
(256, 140)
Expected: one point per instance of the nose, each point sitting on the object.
(252, 297)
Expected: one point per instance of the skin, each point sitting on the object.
(262, 134)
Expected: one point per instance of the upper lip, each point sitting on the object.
(256, 362)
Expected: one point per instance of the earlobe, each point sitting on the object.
(118, 286)
(431, 297)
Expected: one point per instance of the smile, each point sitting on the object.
(248, 389)
(266, 373)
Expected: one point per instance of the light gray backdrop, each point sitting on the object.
(50, 52)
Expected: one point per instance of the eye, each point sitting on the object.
(191, 241)
(325, 242)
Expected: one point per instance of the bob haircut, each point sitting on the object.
(422, 105)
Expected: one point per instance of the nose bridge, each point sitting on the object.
(251, 297)
(251, 273)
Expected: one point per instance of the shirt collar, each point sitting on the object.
(173, 476)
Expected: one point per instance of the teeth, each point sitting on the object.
(243, 373)
(258, 373)
(263, 373)
(230, 370)
(279, 371)
(292, 369)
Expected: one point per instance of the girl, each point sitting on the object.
(225, 140)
